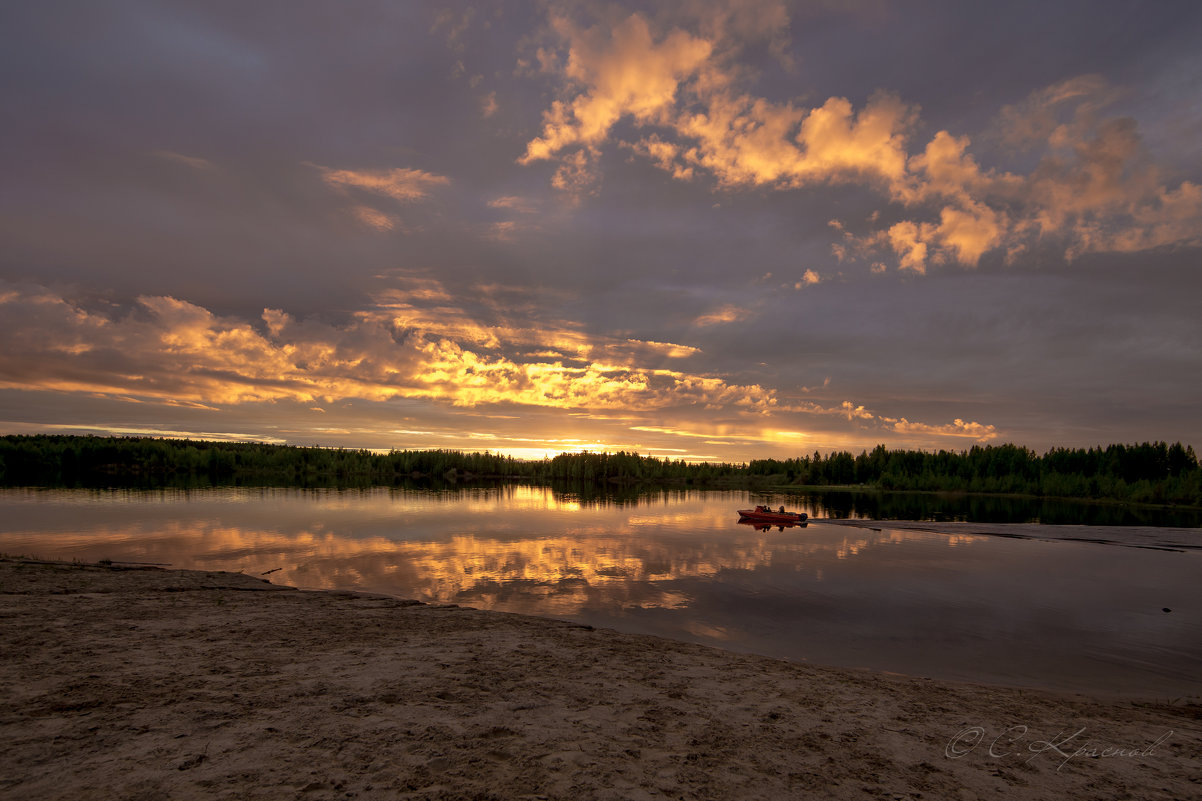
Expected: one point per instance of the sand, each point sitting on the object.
(148, 683)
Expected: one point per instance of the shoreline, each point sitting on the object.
(133, 681)
(1164, 538)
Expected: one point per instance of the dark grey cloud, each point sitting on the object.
(184, 150)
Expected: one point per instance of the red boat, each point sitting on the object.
(763, 516)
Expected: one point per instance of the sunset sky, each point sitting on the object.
(700, 229)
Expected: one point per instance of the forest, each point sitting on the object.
(1151, 472)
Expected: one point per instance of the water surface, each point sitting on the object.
(1047, 612)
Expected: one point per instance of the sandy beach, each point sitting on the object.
(138, 683)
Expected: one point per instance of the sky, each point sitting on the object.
(697, 230)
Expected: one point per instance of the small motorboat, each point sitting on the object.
(764, 516)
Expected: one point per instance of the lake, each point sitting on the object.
(1032, 605)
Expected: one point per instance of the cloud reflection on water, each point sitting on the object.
(524, 549)
(1062, 614)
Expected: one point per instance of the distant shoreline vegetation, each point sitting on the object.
(1149, 473)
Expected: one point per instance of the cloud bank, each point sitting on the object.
(414, 343)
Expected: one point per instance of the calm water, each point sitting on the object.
(1063, 614)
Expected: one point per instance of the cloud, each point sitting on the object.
(512, 203)
(501, 231)
(1092, 189)
(945, 171)
(748, 141)
(957, 428)
(809, 278)
(860, 416)
(668, 349)
(521, 211)
(682, 82)
(413, 343)
(837, 141)
(195, 162)
(909, 242)
(488, 105)
(610, 73)
(373, 218)
(969, 231)
(166, 348)
(726, 314)
(1043, 115)
(576, 174)
(665, 155)
(616, 72)
(855, 412)
(399, 183)
(1172, 216)
(454, 24)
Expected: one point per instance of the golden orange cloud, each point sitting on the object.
(622, 71)
(808, 278)
(170, 349)
(1093, 190)
(399, 183)
(957, 428)
(414, 343)
(860, 415)
(726, 314)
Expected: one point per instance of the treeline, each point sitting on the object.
(1146, 473)
(51, 459)
(64, 459)
(1152, 472)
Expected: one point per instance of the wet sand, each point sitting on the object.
(148, 683)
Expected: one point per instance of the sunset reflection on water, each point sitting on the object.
(956, 605)
(516, 548)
